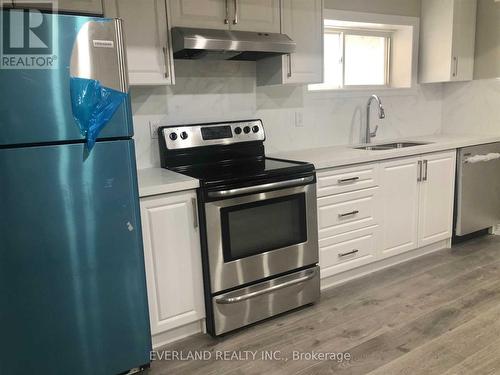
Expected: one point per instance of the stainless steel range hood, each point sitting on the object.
(190, 43)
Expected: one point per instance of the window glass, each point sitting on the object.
(364, 60)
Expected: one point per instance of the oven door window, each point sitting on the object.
(257, 227)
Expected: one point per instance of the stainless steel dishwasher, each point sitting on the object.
(477, 200)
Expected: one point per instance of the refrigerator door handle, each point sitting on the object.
(122, 55)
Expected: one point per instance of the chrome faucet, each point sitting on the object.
(381, 115)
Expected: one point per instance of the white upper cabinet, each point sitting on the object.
(447, 39)
(303, 22)
(81, 6)
(246, 15)
(147, 38)
(436, 197)
(255, 15)
(399, 216)
(464, 32)
(173, 261)
(208, 14)
(73, 6)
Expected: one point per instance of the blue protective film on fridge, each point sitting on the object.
(93, 106)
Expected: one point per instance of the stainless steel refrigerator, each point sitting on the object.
(72, 280)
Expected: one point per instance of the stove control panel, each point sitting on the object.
(188, 136)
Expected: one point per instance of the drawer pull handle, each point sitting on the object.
(346, 180)
(355, 212)
(349, 253)
(299, 280)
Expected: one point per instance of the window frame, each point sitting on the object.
(343, 31)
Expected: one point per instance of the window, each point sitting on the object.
(355, 58)
(368, 51)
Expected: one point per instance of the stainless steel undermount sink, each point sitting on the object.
(390, 146)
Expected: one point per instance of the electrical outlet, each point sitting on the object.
(153, 129)
(299, 119)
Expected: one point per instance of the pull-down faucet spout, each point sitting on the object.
(381, 115)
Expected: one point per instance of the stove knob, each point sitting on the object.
(246, 129)
(255, 129)
(172, 136)
(184, 135)
(237, 130)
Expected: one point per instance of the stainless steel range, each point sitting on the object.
(258, 221)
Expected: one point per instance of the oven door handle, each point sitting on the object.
(260, 188)
(229, 300)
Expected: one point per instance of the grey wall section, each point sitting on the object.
(409, 8)
(487, 59)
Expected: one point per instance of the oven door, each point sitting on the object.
(262, 234)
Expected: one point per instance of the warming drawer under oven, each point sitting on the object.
(268, 231)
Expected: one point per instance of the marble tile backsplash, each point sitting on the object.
(218, 91)
(472, 107)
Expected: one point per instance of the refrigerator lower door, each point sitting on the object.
(72, 280)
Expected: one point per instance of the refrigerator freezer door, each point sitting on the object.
(72, 279)
(97, 54)
(35, 104)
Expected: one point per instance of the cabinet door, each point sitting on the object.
(149, 55)
(464, 30)
(173, 260)
(399, 205)
(209, 14)
(84, 6)
(303, 22)
(436, 197)
(255, 15)
(73, 6)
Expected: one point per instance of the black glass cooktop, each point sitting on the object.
(254, 169)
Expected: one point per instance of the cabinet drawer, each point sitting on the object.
(343, 180)
(349, 250)
(347, 212)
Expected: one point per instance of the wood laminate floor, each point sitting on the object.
(438, 314)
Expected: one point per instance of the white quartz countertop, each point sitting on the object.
(154, 181)
(336, 156)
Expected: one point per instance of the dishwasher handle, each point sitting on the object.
(481, 158)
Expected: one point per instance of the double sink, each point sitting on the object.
(390, 146)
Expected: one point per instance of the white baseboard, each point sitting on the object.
(343, 277)
(178, 333)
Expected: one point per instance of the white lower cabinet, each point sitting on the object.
(173, 260)
(418, 198)
(400, 194)
(437, 190)
(346, 212)
(348, 250)
(379, 210)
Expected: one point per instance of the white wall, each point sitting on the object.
(487, 56)
(472, 107)
(215, 91)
